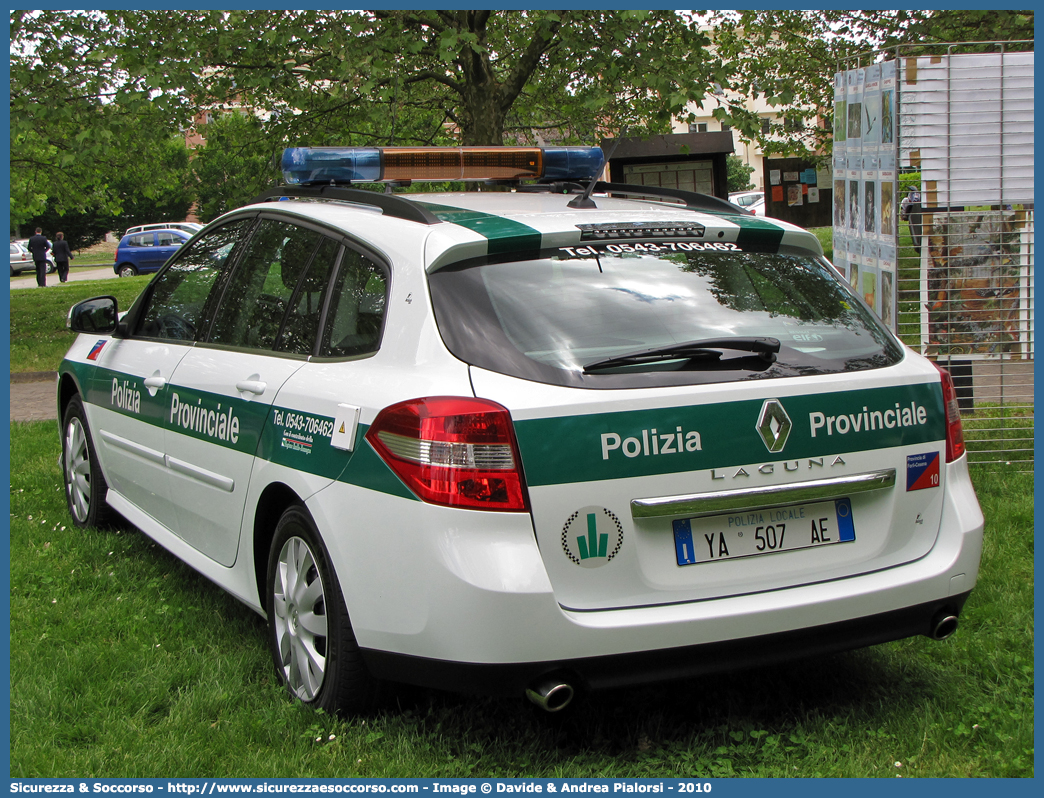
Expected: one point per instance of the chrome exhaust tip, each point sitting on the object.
(551, 695)
(943, 625)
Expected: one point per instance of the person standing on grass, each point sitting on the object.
(62, 256)
(38, 246)
(910, 211)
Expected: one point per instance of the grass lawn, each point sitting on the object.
(126, 663)
(826, 239)
(39, 339)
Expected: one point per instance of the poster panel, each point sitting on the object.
(974, 264)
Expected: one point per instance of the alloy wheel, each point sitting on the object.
(77, 470)
(301, 627)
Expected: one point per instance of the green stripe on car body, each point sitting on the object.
(556, 450)
(503, 235)
(640, 443)
(280, 435)
(757, 234)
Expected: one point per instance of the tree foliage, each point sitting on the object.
(163, 168)
(91, 91)
(71, 140)
(425, 76)
(80, 80)
(234, 166)
(789, 58)
(408, 77)
(738, 173)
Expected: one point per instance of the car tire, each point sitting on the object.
(310, 635)
(126, 270)
(85, 485)
(51, 267)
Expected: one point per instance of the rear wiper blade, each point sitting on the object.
(766, 348)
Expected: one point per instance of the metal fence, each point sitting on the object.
(965, 243)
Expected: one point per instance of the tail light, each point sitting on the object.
(954, 430)
(454, 451)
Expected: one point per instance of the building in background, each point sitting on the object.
(774, 123)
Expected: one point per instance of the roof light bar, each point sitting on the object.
(326, 165)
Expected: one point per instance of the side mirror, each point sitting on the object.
(98, 315)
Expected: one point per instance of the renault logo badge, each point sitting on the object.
(774, 425)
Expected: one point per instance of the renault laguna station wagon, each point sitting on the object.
(550, 436)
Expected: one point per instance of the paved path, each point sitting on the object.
(28, 280)
(33, 396)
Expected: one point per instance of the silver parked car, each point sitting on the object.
(22, 259)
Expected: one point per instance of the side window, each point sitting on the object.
(356, 313)
(302, 319)
(168, 240)
(143, 240)
(263, 285)
(174, 310)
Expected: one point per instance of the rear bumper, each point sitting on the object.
(624, 670)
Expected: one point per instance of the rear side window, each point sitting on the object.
(261, 289)
(168, 239)
(175, 308)
(142, 240)
(301, 325)
(556, 317)
(356, 315)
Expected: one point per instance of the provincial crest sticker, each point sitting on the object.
(592, 537)
(922, 471)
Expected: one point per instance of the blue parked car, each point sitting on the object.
(139, 253)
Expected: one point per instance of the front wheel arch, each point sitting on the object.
(67, 389)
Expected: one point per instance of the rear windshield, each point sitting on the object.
(559, 316)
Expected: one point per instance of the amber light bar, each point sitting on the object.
(463, 163)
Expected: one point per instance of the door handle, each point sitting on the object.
(253, 385)
(154, 383)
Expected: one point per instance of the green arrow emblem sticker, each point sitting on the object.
(592, 537)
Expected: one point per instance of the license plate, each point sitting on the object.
(756, 532)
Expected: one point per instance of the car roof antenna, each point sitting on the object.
(584, 200)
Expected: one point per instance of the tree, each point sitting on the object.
(790, 58)
(70, 139)
(739, 174)
(156, 187)
(410, 77)
(163, 168)
(233, 166)
(81, 228)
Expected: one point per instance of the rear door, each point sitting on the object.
(264, 329)
(143, 250)
(167, 243)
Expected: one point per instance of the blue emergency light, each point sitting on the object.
(339, 165)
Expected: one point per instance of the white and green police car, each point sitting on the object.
(535, 439)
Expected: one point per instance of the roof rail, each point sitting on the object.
(390, 204)
(693, 201)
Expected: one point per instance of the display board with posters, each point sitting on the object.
(966, 126)
(865, 187)
(798, 191)
(974, 283)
